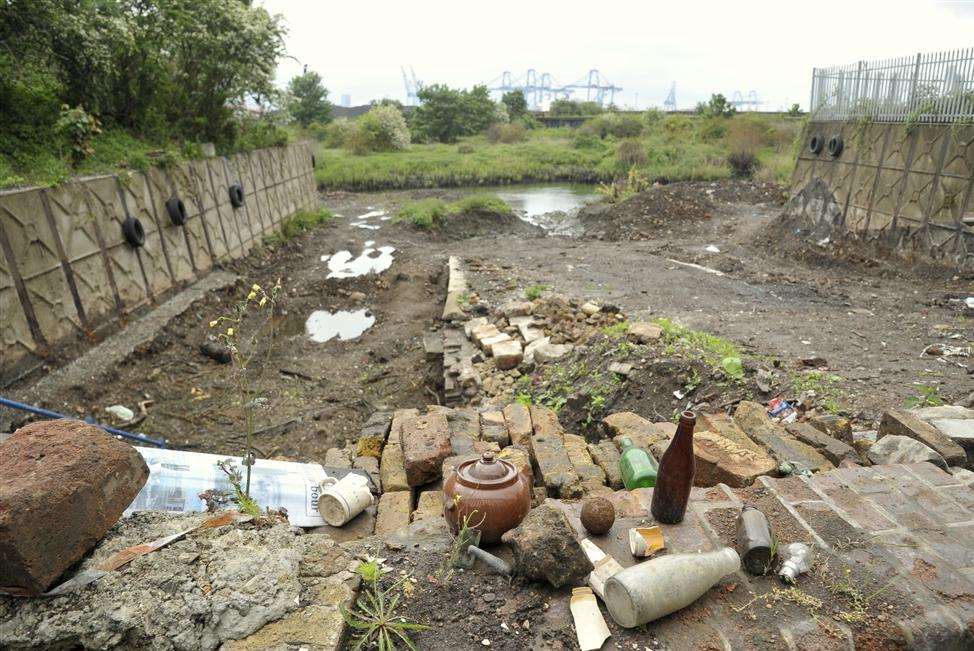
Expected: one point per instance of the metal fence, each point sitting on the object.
(937, 87)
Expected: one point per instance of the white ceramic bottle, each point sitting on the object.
(658, 587)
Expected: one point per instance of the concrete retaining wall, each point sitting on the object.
(66, 268)
(904, 187)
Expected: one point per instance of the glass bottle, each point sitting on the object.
(675, 476)
(638, 466)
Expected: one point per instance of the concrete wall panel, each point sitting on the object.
(124, 261)
(180, 183)
(172, 235)
(153, 256)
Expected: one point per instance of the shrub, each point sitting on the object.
(631, 153)
(717, 107)
(260, 132)
(425, 213)
(516, 104)
(507, 133)
(336, 134)
(78, 128)
(481, 203)
(381, 129)
(585, 139)
(465, 148)
(712, 129)
(446, 113)
(625, 126)
(299, 222)
(794, 111)
(742, 163)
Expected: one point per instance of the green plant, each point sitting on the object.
(258, 307)
(446, 113)
(927, 396)
(374, 618)
(630, 153)
(524, 399)
(718, 106)
(307, 99)
(621, 189)
(534, 292)
(430, 213)
(383, 128)
(507, 133)
(78, 127)
(616, 329)
(516, 104)
(718, 353)
(245, 503)
(794, 111)
(299, 222)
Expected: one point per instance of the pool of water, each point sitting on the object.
(344, 264)
(323, 326)
(552, 207)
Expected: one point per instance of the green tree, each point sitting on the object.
(516, 105)
(718, 106)
(447, 113)
(795, 110)
(307, 99)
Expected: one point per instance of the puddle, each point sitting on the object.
(343, 265)
(371, 213)
(323, 326)
(371, 227)
(552, 207)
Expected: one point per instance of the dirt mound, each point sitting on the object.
(476, 224)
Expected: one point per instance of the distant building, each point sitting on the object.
(346, 100)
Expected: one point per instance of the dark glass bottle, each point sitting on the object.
(754, 540)
(675, 476)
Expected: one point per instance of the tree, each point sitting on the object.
(516, 105)
(381, 129)
(718, 106)
(795, 110)
(307, 99)
(446, 113)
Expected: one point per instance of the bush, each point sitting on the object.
(381, 129)
(585, 139)
(430, 213)
(742, 163)
(625, 126)
(481, 203)
(506, 133)
(717, 107)
(78, 128)
(335, 134)
(631, 153)
(712, 129)
(465, 148)
(260, 132)
(653, 119)
(744, 138)
(446, 113)
(299, 222)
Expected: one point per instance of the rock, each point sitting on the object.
(371, 466)
(633, 426)
(545, 421)
(814, 362)
(643, 332)
(620, 368)
(518, 308)
(545, 548)
(489, 343)
(588, 309)
(63, 484)
(430, 505)
(425, 444)
(394, 511)
(833, 449)
(530, 349)
(955, 422)
(719, 460)
(835, 426)
(486, 331)
(338, 458)
(216, 351)
(120, 413)
(551, 352)
(392, 464)
(433, 345)
(598, 515)
(450, 464)
(725, 426)
(902, 423)
(894, 448)
(358, 297)
(520, 458)
(590, 475)
(606, 457)
(753, 419)
(473, 324)
(507, 354)
(518, 420)
(556, 469)
(493, 428)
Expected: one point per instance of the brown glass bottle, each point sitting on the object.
(675, 476)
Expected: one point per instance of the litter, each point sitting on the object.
(782, 410)
(605, 567)
(712, 249)
(645, 541)
(120, 413)
(798, 560)
(468, 552)
(696, 266)
(944, 350)
(754, 540)
(340, 500)
(590, 626)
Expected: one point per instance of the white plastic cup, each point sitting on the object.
(342, 500)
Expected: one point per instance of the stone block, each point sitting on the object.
(544, 421)
(549, 352)
(722, 461)
(63, 484)
(894, 448)
(392, 471)
(753, 419)
(724, 425)
(473, 324)
(606, 457)
(450, 464)
(488, 343)
(507, 354)
(394, 510)
(519, 457)
(902, 423)
(633, 426)
(517, 417)
(338, 458)
(960, 431)
(482, 332)
(643, 332)
(833, 449)
(493, 428)
(835, 426)
(371, 466)
(425, 444)
(588, 472)
(554, 466)
(518, 308)
(429, 505)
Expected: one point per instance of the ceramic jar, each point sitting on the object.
(493, 491)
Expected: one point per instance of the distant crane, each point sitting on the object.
(752, 103)
(541, 88)
(413, 86)
(670, 103)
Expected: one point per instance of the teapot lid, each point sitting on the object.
(486, 470)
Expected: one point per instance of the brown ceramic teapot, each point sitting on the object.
(493, 491)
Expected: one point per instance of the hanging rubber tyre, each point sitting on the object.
(177, 211)
(835, 146)
(815, 143)
(314, 161)
(133, 232)
(236, 195)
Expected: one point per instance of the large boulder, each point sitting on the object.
(903, 449)
(63, 484)
(546, 548)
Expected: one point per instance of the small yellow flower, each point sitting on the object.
(255, 288)
(263, 302)
(213, 323)
(251, 296)
(229, 332)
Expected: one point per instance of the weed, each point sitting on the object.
(824, 385)
(928, 396)
(374, 620)
(428, 214)
(490, 203)
(524, 399)
(720, 354)
(245, 503)
(534, 292)
(299, 222)
(616, 329)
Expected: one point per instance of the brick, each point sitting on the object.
(643, 332)
(64, 484)
(719, 460)
(835, 426)
(791, 489)
(554, 466)
(606, 457)
(831, 448)
(639, 430)
(931, 474)
(493, 427)
(507, 354)
(902, 423)
(338, 458)
(725, 426)
(394, 511)
(425, 444)
(429, 505)
(753, 419)
(518, 308)
(627, 504)
(544, 421)
(377, 425)
(488, 343)
(588, 472)
(960, 431)
(896, 449)
(482, 332)
(517, 417)
(392, 471)
(473, 324)
(464, 425)
(519, 457)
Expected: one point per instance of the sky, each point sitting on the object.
(642, 46)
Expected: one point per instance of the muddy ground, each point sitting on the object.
(869, 319)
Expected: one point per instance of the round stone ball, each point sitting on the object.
(598, 514)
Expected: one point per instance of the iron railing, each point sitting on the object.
(937, 87)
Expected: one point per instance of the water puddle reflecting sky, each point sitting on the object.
(323, 326)
(371, 261)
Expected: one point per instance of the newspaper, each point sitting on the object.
(176, 479)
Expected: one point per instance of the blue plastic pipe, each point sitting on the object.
(46, 413)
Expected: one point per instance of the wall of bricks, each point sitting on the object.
(66, 269)
(905, 187)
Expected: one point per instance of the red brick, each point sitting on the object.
(425, 445)
(63, 484)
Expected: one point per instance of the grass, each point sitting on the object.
(828, 394)
(535, 292)
(428, 214)
(716, 352)
(299, 222)
(927, 396)
(681, 148)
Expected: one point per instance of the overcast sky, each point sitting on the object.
(705, 47)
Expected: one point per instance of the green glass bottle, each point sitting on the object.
(639, 468)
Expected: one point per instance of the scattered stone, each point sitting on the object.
(556, 469)
(473, 324)
(392, 464)
(530, 349)
(643, 332)
(719, 460)
(394, 511)
(545, 422)
(589, 474)
(549, 352)
(63, 484)
(433, 345)
(633, 426)
(480, 333)
(545, 548)
(338, 458)
(489, 343)
(598, 515)
(493, 428)
(518, 308)
(833, 449)
(425, 444)
(517, 417)
(588, 309)
(724, 425)
(120, 413)
(814, 362)
(507, 354)
(606, 457)
(903, 423)
(430, 505)
(520, 458)
(894, 448)
(753, 419)
(620, 368)
(216, 351)
(835, 426)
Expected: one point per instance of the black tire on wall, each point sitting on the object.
(133, 232)
(236, 195)
(835, 146)
(314, 161)
(815, 143)
(176, 210)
